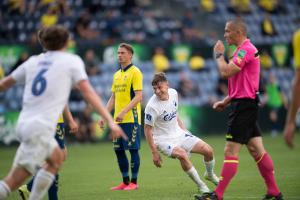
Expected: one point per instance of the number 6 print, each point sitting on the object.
(39, 83)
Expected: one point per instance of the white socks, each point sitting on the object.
(209, 167)
(193, 174)
(4, 190)
(41, 184)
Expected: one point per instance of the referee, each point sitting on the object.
(242, 73)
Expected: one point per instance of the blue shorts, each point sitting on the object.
(133, 132)
(60, 135)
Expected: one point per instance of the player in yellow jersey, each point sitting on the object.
(289, 129)
(24, 190)
(125, 100)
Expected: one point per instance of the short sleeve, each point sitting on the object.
(241, 58)
(78, 72)
(19, 74)
(150, 116)
(137, 80)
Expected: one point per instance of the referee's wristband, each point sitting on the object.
(218, 55)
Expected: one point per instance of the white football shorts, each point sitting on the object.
(32, 153)
(187, 141)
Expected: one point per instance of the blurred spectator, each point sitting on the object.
(61, 6)
(83, 29)
(23, 57)
(190, 32)
(275, 100)
(207, 5)
(112, 19)
(197, 62)
(266, 61)
(93, 6)
(16, 7)
(267, 26)
(186, 88)
(50, 18)
(86, 132)
(272, 6)
(160, 60)
(91, 63)
(240, 6)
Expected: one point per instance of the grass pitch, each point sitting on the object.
(91, 169)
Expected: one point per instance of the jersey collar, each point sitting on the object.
(126, 68)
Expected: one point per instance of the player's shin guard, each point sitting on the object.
(4, 190)
(41, 184)
(123, 165)
(229, 169)
(266, 169)
(52, 192)
(135, 165)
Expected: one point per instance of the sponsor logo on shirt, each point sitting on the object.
(170, 116)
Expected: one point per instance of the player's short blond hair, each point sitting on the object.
(128, 47)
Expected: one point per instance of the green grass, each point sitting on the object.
(91, 169)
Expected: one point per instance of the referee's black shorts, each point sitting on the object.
(242, 121)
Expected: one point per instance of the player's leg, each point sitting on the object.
(12, 181)
(188, 167)
(265, 166)
(206, 150)
(229, 168)
(133, 144)
(45, 176)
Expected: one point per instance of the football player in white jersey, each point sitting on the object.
(166, 133)
(48, 79)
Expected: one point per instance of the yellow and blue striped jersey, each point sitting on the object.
(125, 82)
(296, 48)
(60, 119)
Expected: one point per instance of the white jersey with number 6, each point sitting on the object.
(48, 80)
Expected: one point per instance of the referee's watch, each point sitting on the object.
(218, 55)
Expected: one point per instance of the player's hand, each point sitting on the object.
(73, 126)
(288, 134)
(120, 116)
(116, 131)
(219, 106)
(219, 47)
(101, 123)
(157, 159)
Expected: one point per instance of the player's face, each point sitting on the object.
(161, 90)
(230, 34)
(124, 56)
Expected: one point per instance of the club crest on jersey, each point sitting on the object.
(148, 117)
(170, 116)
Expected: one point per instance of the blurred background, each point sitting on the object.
(174, 36)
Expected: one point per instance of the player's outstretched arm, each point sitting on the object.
(91, 97)
(155, 154)
(289, 129)
(6, 83)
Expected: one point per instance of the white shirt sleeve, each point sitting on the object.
(19, 74)
(78, 72)
(150, 116)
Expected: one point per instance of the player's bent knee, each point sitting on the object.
(180, 154)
